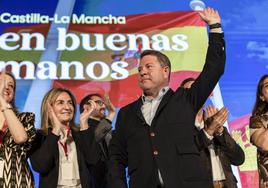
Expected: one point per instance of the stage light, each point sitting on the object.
(197, 5)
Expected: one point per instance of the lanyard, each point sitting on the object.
(64, 145)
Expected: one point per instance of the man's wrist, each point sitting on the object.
(210, 137)
(220, 131)
(215, 25)
(83, 126)
(110, 116)
(209, 132)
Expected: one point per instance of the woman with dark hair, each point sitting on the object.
(17, 133)
(62, 155)
(259, 130)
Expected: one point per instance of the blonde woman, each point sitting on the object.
(62, 156)
(17, 133)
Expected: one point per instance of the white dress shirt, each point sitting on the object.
(217, 170)
(149, 109)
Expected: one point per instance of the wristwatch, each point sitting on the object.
(7, 107)
(215, 25)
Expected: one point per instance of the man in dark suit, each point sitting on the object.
(102, 125)
(218, 150)
(154, 136)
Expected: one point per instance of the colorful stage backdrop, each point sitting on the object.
(94, 47)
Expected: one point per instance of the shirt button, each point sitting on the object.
(152, 134)
(155, 152)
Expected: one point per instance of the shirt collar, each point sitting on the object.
(161, 93)
(66, 135)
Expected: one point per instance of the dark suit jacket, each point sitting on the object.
(99, 171)
(228, 151)
(168, 144)
(45, 157)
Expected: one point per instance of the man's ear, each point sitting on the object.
(166, 70)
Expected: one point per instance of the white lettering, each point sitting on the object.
(5, 17)
(104, 67)
(132, 40)
(49, 67)
(26, 41)
(9, 37)
(98, 42)
(160, 42)
(120, 73)
(16, 68)
(65, 70)
(116, 38)
(180, 42)
(74, 40)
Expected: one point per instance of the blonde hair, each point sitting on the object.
(51, 97)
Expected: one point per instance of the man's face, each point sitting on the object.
(152, 76)
(99, 112)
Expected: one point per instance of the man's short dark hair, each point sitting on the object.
(85, 99)
(186, 80)
(162, 58)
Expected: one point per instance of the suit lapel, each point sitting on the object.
(137, 110)
(162, 104)
(164, 101)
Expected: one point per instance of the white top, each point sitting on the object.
(68, 165)
(149, 109)
(217, 170)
